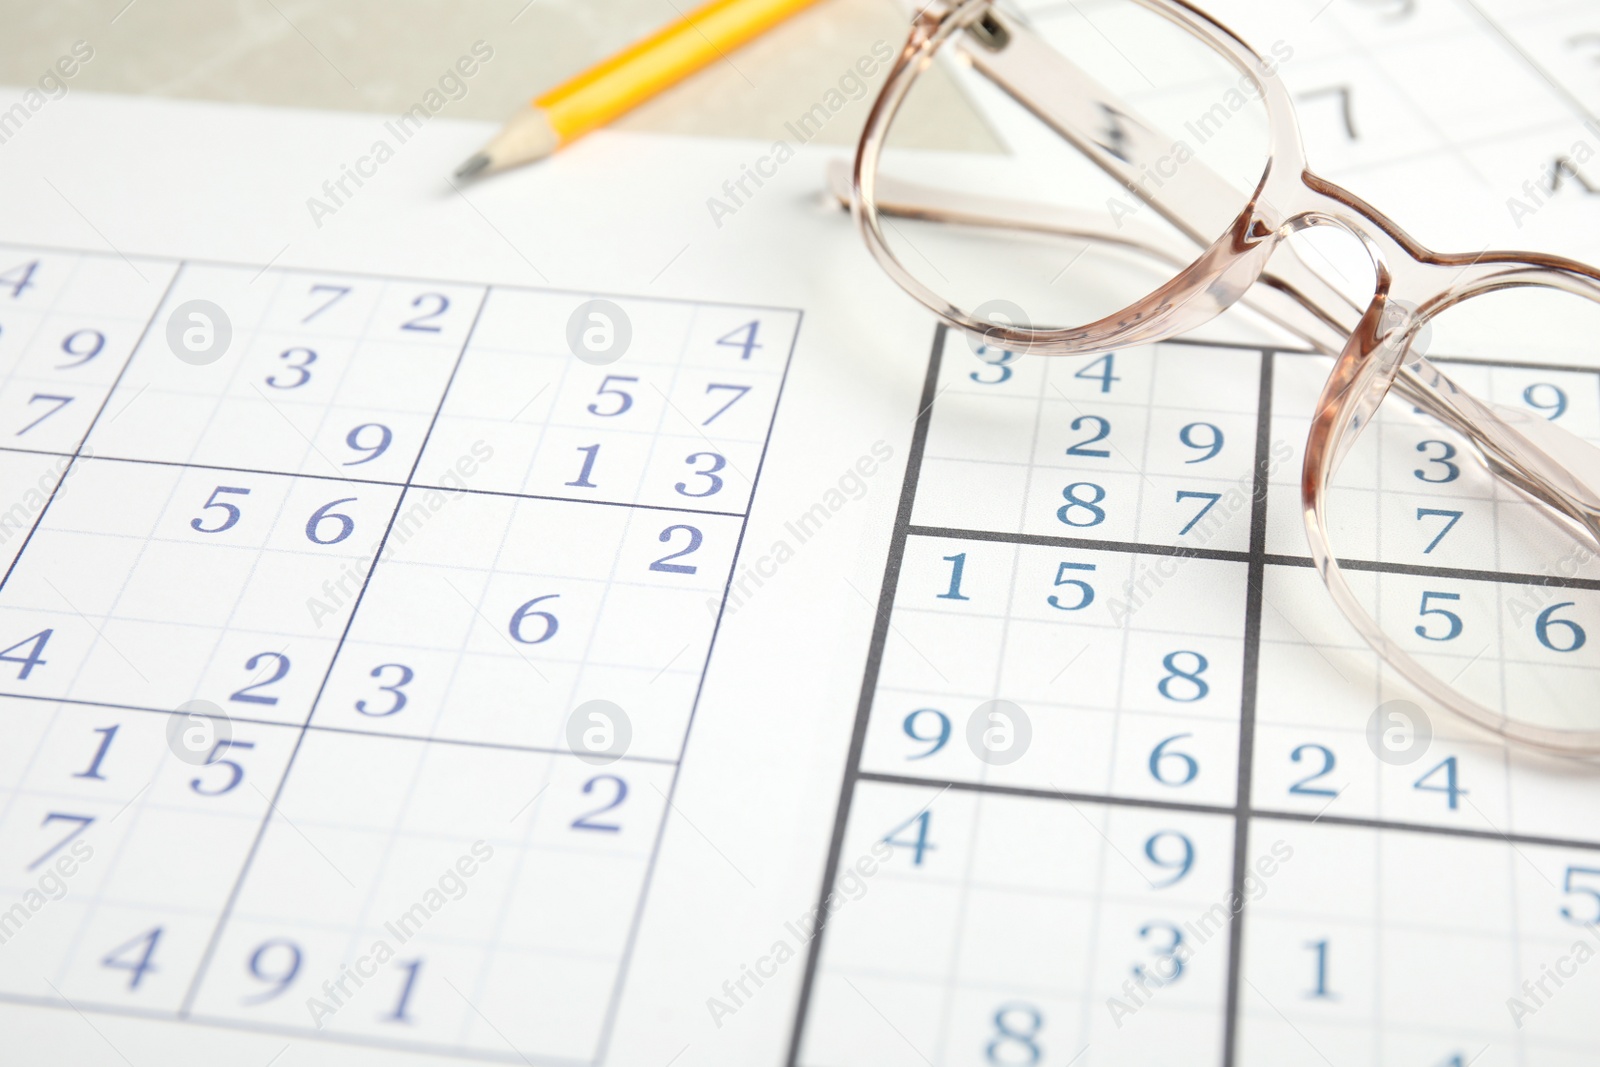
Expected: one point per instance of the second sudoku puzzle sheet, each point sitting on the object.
(1113, 798)
(350, 635)
(1116, 795)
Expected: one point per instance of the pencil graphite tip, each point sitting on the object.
(475, 165)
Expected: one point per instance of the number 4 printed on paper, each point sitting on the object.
(19, 278)
(743, 338)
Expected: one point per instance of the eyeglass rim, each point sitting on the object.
(1365, 370)
(1372, 357)
(1237, 257)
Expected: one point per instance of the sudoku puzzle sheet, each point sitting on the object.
(1112, 547)
(391, 533)
(1198, 859)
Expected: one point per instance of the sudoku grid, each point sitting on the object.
(1029, 910)
(1183, 735)
(397, 532)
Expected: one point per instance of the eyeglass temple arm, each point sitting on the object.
(1073, 104)
(1088, 115)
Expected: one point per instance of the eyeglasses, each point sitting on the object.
(1138, 134)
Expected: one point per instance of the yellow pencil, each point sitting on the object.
(627, 79)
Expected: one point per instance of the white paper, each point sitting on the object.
(897, 540)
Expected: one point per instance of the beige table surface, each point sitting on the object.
(382, 55)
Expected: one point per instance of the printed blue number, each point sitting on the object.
(695, 537)
(1447, 452)
(84, 344)
(1454, 625)
(1196, 688)
(745, 344)
(738, 394)
(1557, 405)
(35, 656)
(1181, 866)
(1592, 891)
(624, 398)
(120, 957)
(20, 277)
(61, 402)
(438, 304)
(1159, 757)
(80, 823)
(590, 452)
(1211, 443)
(279, 978)
(1085, 590)
(302, 369)
(920, 844)
(526, 612)
(1108, 364)
(1453, 516)
(1169, 965)
(1003, 365)
(347, 525)
(110, 732)
(1097, 514)
(619, 794)
(1304, 786)
(1541, 629)
(1450, 788)
(958, 565)
(230, 510)
(1319, 991)
(411, 967)
(1190, 494)
(280, 668)
(214, 759)
(1103, 430)
(406, 674)
(709, 474)
(937, 742)
(1011, 1034)
(339, 293)
(353, 440)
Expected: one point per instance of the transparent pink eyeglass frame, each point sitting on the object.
(1556, 470)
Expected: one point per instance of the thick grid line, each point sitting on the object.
(1255, 591)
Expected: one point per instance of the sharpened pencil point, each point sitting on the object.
(472, 166)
